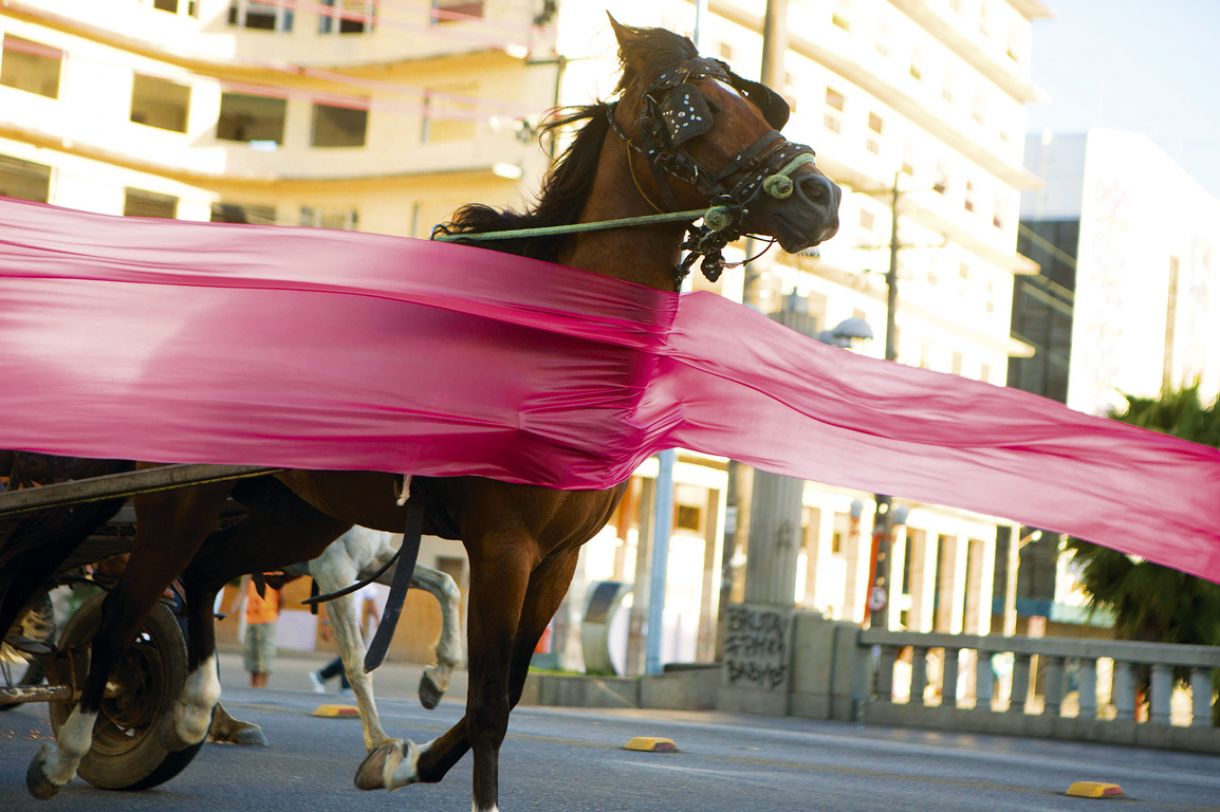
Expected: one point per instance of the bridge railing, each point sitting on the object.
(1111, 682)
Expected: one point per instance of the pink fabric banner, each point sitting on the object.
(190, 342)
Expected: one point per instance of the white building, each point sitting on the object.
(1146, 245)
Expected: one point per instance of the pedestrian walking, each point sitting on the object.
(262, 614)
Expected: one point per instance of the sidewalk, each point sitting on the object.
(290, 669)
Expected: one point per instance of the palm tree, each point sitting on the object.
(1148, 601)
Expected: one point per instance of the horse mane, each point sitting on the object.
(564, 191)
(644, 53)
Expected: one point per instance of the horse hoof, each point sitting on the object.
(378, 768)
(429, 692)
(243, 733)
(37, 782)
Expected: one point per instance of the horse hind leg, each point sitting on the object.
(332, 575)
(435, 680)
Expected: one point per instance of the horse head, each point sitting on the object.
(710, 138)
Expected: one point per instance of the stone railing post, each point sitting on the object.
(948, 687)
(919, 673)
(983, 681)
(1087, 678)
(1123, 695)
(1201, 697)
(1052, 690)
(1162, 694)
(1020, 683)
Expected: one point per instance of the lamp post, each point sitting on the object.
(1017, 542)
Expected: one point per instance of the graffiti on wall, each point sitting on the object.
(756, 648)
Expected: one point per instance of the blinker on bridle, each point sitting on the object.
(666, 124)
(676, 112)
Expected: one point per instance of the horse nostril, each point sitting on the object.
(815, 189)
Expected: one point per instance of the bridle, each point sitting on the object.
(674, 113)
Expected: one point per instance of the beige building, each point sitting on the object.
(384, 115)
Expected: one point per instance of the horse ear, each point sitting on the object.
(628, 39)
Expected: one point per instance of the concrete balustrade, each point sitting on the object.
(1137, 709)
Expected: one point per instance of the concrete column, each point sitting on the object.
(928, 575)
(775, 537)
(705, 648)
(643, 560)
(858, 550)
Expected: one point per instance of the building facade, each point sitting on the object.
(385, 115)
(1126, 303)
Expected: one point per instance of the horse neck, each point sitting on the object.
(645, 255)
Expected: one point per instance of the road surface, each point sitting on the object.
(563, 760)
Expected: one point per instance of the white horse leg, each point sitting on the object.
(55, 765)
(345, 622)
(435, 679)
(193, 710)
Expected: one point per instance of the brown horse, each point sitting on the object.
(685, 133)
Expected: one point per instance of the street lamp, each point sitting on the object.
(845, 332)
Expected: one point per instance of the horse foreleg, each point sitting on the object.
(435, 679)
(500, 577)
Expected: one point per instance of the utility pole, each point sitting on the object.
(879, 592)
(740, 485)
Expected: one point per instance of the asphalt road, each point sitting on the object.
(572, 759)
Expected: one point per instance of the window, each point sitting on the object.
(688, 517)
(251, 118)
(968, 196)
(835, 103)
(449, 113)
(24, 180)
(915, 68)
(31, 66)
(841, 15)
(241, 213)
(452, 11)
(159, 103)
(867, 220)
(190, 7)
(876, 126)
(339, 126)
(265, 16)
(884, 36)
(726, 51)
(347, 16)
(346, 219)
(141, 203)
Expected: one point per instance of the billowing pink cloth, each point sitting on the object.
(188, 342)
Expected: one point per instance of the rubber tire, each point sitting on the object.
(146, 764)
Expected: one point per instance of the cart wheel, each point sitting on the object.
(37, 624)
(127, 753)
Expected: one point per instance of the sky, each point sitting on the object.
(1150, 66)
